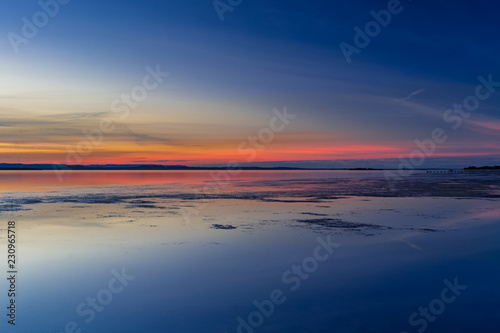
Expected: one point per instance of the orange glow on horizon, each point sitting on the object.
(121, 153)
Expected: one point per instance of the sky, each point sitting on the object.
(201, 82)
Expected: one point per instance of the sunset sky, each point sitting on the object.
(226, 78)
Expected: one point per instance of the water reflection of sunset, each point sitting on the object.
(40, 180)
(33, 180)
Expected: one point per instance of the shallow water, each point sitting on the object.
(203, 251)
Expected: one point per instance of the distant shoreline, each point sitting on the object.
(157, 167)
(41, 167)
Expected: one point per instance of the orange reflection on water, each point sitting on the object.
(24, 180)
(40, 180)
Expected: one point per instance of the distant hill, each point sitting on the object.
(19, 166)
(364, 169)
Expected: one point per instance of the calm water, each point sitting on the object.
(185, 252)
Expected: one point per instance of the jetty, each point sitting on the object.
(470, 170)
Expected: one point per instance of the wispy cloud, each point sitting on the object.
(416, 92)
(410, 244)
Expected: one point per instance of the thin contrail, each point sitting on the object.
(410, 95)
(410, 244)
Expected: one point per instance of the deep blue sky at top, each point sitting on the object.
(443, 39)
(270, 53)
